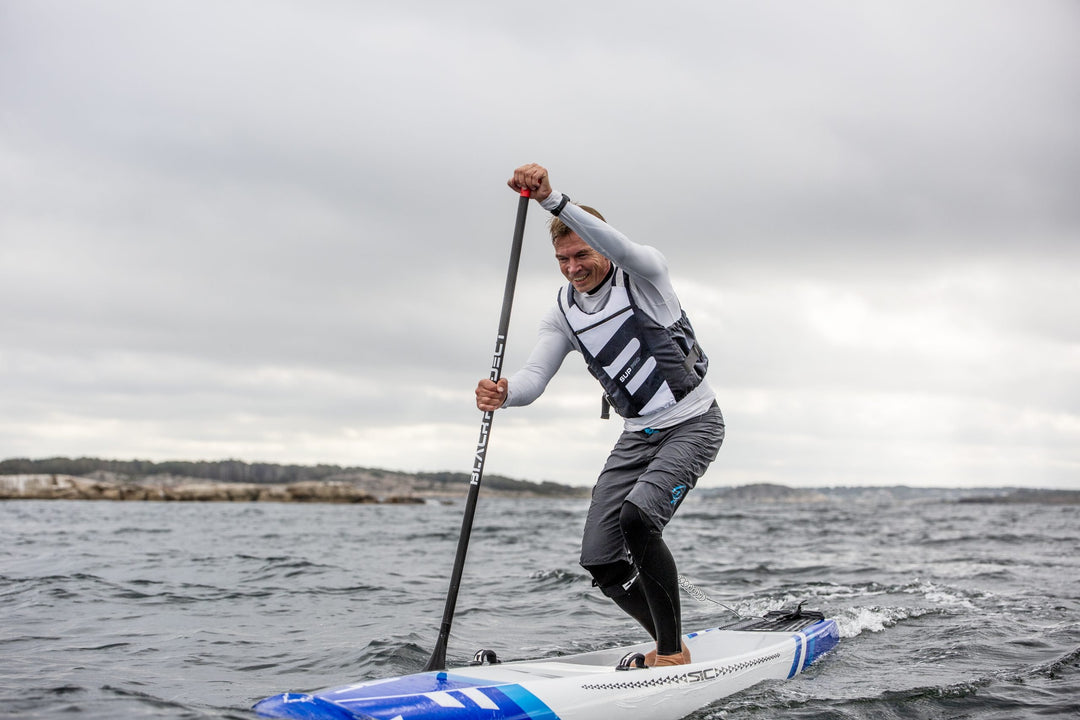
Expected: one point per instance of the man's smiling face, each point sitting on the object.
(580, 264)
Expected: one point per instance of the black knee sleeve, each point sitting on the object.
(619, 581)
(613, 579)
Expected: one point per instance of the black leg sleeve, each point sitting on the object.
(658, 577)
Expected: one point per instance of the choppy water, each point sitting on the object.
(155, 610)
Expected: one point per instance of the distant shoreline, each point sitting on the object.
(157, 488)
(239, 481)
(70, 487)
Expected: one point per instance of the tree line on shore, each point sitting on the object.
(230, 471)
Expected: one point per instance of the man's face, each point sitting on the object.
(580, 264)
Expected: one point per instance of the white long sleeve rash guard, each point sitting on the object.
(652, 291)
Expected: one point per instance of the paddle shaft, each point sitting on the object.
(438, 655)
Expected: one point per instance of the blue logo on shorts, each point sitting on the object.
(677, 493)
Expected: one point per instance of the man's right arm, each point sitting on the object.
(528, 383)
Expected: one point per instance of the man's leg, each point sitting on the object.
(603, 551)
(658, 578)
(681, 455)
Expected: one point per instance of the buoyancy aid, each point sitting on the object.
(642, 365)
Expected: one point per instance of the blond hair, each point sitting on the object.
(560, 230)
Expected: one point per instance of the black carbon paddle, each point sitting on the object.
(438, 655)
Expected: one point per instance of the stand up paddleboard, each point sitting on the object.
(588, 686)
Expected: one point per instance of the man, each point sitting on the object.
(621, 313)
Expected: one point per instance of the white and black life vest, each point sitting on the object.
(642, 365)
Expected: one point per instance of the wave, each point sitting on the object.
(846, 603)
(555, 578)
(852, 623)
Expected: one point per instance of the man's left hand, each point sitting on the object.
(531, 177)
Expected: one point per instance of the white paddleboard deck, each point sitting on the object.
(587, 686)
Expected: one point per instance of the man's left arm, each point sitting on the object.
(642, 260)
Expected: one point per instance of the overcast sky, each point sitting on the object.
(278, 230)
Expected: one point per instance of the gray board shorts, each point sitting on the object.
(654, 471)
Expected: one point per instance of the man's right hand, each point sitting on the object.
(490, 396)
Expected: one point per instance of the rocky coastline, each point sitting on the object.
(87, 478)
(70, 487)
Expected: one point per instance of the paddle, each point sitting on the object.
(438, 655)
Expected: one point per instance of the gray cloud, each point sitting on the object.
(279, 231)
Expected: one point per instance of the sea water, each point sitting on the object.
(184, 610)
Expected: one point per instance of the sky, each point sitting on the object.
(278, 231)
